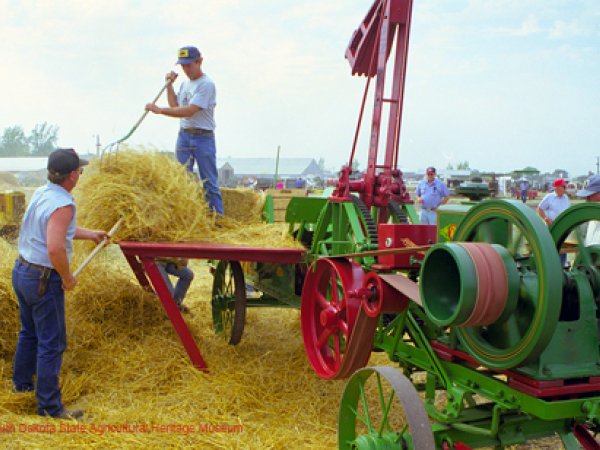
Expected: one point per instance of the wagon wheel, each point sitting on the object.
(575, 221)
(229, 301)
(525, 329)
(338, 335)
(381, 409)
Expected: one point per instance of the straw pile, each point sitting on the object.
(126, 367)
(9, 307)
(161, 201)
(8, 180)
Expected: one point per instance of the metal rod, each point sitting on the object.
(137, 124)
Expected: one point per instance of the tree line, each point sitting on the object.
(40, 142)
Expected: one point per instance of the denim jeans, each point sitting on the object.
(185, 276)
(428, 217)
(202, 148)
(42, 339)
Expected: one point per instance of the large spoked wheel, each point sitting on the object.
(335, 341)
(229, 301)
(573, 231)
(381, 409)
(524, 331)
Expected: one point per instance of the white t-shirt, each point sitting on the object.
(202, 93)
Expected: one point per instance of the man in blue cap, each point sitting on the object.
(194, 105)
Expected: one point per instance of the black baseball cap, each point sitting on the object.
(64, 160)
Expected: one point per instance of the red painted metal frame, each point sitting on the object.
(141, 257)
(369, 49)
(552, 389)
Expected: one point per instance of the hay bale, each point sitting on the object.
(160, 201)
(243, 204)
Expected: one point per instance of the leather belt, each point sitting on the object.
(34, 266)
(197, 131)
(429, 209)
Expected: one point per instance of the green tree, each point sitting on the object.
(43, 139)
(464, 165)
(13, 142)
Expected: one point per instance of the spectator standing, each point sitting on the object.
(431, 193)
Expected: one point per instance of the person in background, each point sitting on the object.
(553, 204)
(41, 276)
(279, 184)
(524, 189)
(177, 267)
(591, 193)
(431, 193)
(194, 105)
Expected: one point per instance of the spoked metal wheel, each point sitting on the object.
(525, 329)
(381, 409)
(338, 335)
(229, 301)
(573, 231)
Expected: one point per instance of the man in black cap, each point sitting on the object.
(194, 105)
(41, 275)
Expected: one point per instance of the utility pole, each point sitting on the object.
(276, 178)
(597, 165)
(97, 136)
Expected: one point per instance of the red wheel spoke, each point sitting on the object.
(322, 301)
(324, 337)
(335, 295)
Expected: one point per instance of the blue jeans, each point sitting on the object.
(428, 217)
(42, 339)
(202, 148)
(185, 276)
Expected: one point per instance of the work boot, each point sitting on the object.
(72, 414)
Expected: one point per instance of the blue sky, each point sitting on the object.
(501, 84)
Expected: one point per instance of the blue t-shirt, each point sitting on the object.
(553, 205)
(202, 93)
(432, 193)
(33, 243)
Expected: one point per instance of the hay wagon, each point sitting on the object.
(229, 296)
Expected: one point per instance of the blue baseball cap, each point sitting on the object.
(188, 54)
(592, 187)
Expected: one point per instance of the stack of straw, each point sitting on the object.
(161, 201)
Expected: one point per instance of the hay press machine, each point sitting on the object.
(499, 337)
(496, 343)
